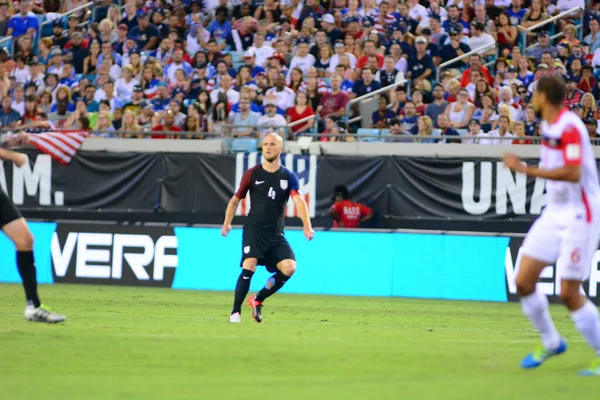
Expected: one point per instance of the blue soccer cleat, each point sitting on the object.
(594, 370)
(541, 354)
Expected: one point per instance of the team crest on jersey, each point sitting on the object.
(246, 249)
(305, 168)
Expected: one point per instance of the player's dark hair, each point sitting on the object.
(554, 89)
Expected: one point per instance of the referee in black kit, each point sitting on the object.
(270, 185)
(14, 226)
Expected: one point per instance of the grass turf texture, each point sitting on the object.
(146, 343)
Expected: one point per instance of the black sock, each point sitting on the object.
(241, 290)
(26, 266)
(274, 283)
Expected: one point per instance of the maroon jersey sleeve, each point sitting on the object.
(241, 191)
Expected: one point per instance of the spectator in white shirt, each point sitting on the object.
(480, 38)
(124, 85)
(340, 50)
(302, 60)
(501, 132)
(284, 96)
(271, 121)
(232, 96)
(261, 51)
(416, 11)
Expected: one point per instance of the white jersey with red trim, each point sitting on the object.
(567, 142)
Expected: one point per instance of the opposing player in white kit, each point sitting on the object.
(568, 230)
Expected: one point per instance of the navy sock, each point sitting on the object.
(26, 266)
(241, 290)
(274, 283)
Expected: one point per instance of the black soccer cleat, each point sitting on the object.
(256, 308)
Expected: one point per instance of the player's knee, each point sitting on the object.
(571, 298)
(24, 242)
(288, 267)
(250, 264)
(524, 287)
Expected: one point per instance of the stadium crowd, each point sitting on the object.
(244, 69)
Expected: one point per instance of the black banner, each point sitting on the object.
(549, 283)
(395, 187)
(114, 255)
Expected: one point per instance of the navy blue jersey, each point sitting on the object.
(269, 194)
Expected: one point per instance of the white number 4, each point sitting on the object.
(271, 193)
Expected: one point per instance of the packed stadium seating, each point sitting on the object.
(331, 69)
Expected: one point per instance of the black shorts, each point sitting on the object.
(8, 210)
(268, 247)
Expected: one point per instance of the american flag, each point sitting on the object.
(61, 145)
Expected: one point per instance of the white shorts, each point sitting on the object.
(571, 246)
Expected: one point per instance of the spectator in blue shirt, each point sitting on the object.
(455, 22)
(410, 119)
(516, 12)
(145, 34)
(447, 130)
(383, 115)
(161, 101)
(455, 49)
(8, 116)
(250, 60)
(23, 23)
(420, 65)
(366, 85)
(220, 27)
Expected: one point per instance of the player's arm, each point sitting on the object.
(366, 212)
(301, 206)
(302, 209)
(333, 211)
(568, 173)
(19, 159)
(233, 204)
(572, 155)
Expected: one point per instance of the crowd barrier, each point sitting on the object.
(356, 263)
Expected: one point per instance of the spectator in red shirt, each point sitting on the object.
(587, 81)
(333, 104)
(475, 63)
(347, 213)
(369, 49)
(167, 126)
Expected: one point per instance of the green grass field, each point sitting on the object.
(140, 343)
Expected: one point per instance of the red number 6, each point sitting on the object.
(575, 256)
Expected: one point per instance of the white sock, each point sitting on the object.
(535, 307)
(587, 321)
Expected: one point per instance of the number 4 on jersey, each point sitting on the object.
(271, 193)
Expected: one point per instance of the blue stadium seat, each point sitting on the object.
(236, 58)
(367, 131)
(245, 145)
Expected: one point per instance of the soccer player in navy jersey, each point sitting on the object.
(270, 185)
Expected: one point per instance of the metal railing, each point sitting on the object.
(464, 139)
(12, 43)
(369, 95)
(461, 57)
(61, 16)
(550, 20)
(387, 137)
(304, 120)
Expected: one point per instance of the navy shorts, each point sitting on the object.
(268, 247)
(8, 210)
